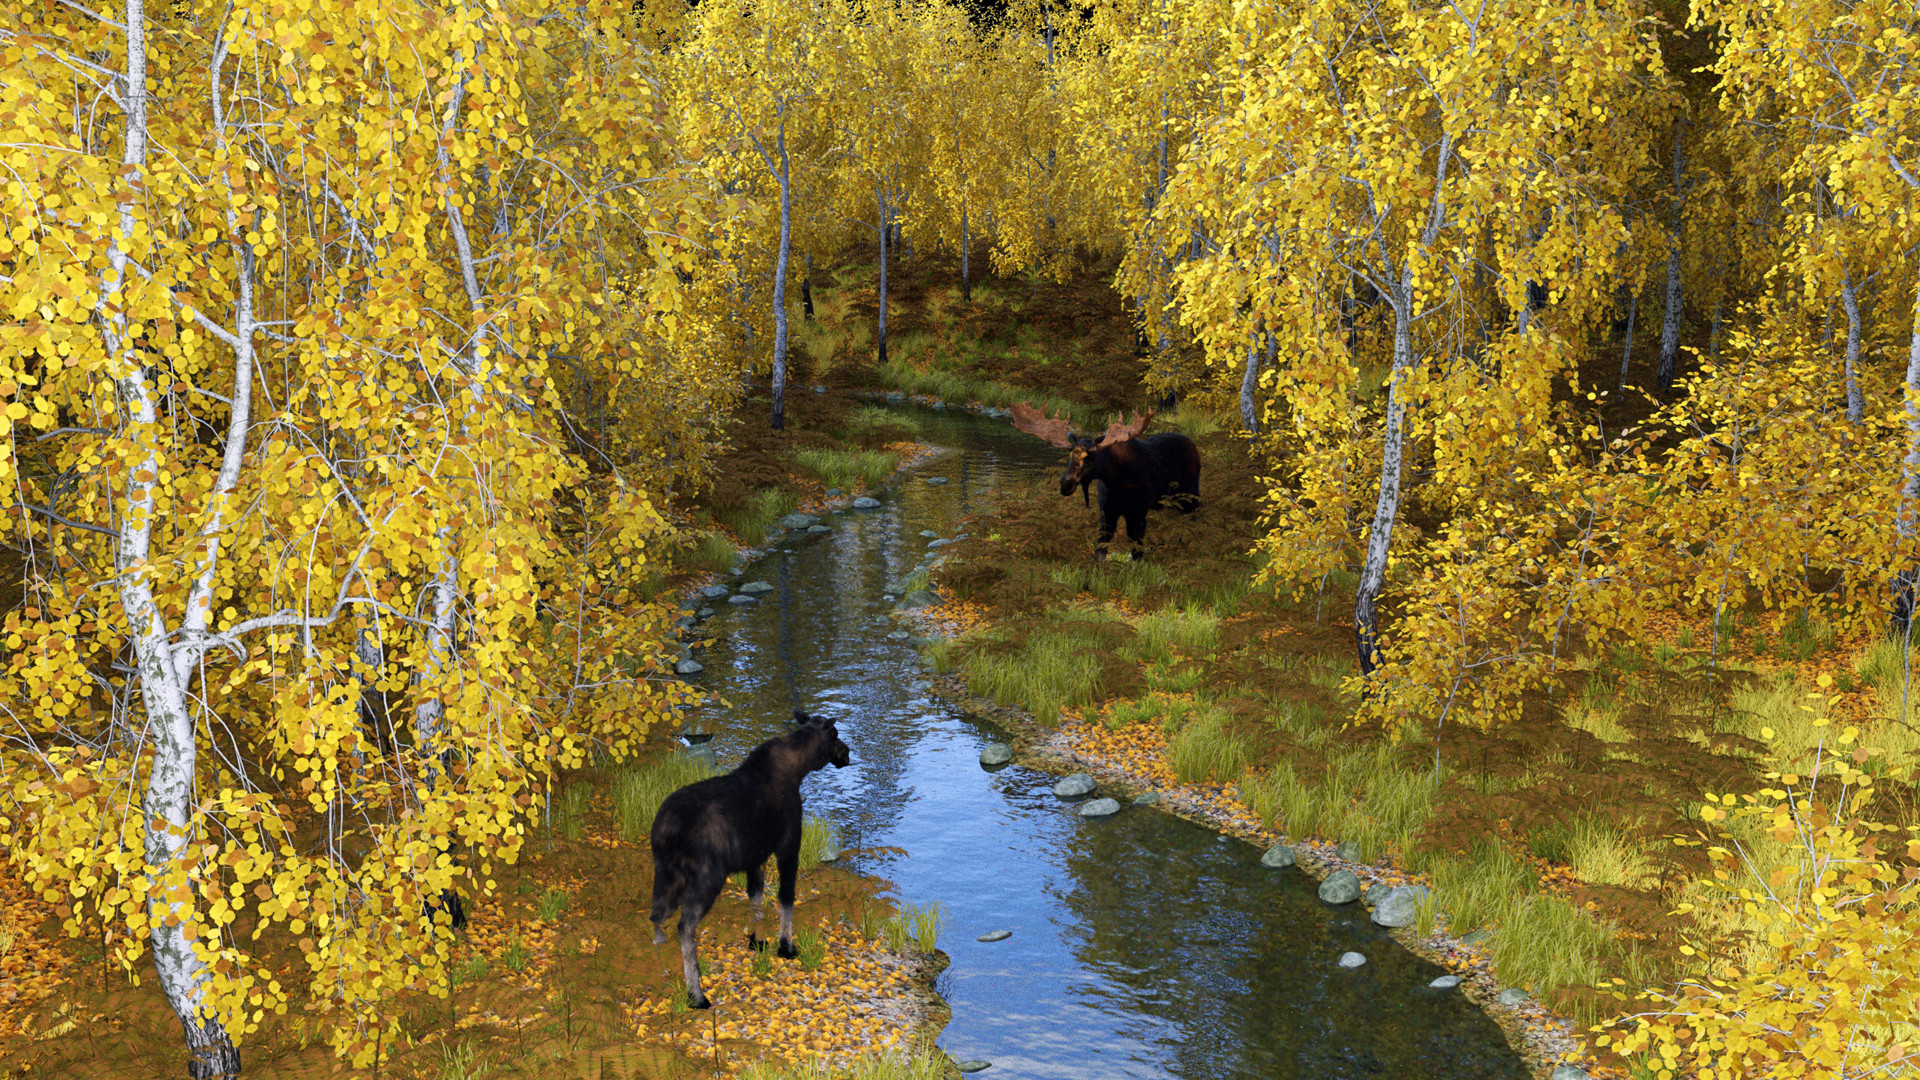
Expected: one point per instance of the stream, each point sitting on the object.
(1142, 945)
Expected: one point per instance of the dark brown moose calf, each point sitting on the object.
(730, 824)
(1131, 473)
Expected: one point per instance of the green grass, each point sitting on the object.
(711, 552)
(553, 904)
(570, 810)
(918, 926)
(516, 956)
(848, 468)
(461, 1062)
(473, 970)
(900, 374)
(639, 790)
(811, 946)
(1544, 942)
(1189, 630)
(1104, 580)
(1482, 889)
(751, 522)
(1205, 750)
(1052, 670)
(873, 420)
(819, 842)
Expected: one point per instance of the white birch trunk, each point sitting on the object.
(1907, 519)
(780, 284)
(1850, 299)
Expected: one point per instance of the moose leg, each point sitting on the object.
(1137, 532)
(787, 859)
(756, 901)
(668, 886)
(692, 909)
(1108, 522)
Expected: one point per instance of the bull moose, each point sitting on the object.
(729, 824)
(1131, 472)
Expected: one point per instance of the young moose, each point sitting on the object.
(729, 824)
(1132, 473)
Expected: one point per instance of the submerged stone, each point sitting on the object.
(1341, 887)
(1352, 960)
(1400, 907)
(1100, 808)
(715, 592)
(755, 588)
(995, 935)
(898, 635)
(866, 503)
(1445, 982)
(928, 533)
(996, 754)
(936, 479)
(798, 521)
(819, 528)
(742, 598)
(705, 613)
(1278, 857)
(1074, 786)
(973, 1066)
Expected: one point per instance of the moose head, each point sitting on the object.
(1087, 456)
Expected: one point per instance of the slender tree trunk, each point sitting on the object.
(966, 243)
(1907, 522)
(1850, 299)
(369, 657)
(780, 284)
(1626, 352)
(1670, 327)
(168, 804)
(883, 277)
(1713, 334)
(1250, 389)
(806, 291)
(1373, 573)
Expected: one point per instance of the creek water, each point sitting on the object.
(1142, 945)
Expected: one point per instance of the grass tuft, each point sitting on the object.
(1205, 750)
(819, 842)
(1052, 671)
(553, 904)
(848, 468)
(570, 811)
(751, 522)
(1158, 635)
(639, 790)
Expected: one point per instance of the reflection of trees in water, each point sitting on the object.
(1195, 932)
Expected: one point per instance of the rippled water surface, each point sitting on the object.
(1143, 945)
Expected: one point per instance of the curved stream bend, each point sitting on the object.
(1142, 945)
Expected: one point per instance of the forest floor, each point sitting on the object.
(554, 976)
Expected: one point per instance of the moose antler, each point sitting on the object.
(1057, 430)
(1119, 431)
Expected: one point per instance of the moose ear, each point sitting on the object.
(801, 719)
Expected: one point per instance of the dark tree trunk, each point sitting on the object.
(884, 226)
(966, 241)
(1670, 328)
(1626, 352)
(806, 292)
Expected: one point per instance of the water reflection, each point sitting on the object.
(1142, 946)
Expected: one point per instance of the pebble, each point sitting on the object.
(688, 667)
(1512, 995)
(995, 935)
(742, 598)
(1352, 960)
(919, 686)
(1568, 1072)
(928, 533)
(834, 493)
(866, 503)
(936, 479)
(1278, 857)
(1074, 786)
(798, 521)
(1348, 851)
(898, 635)
(996, 754)
(755, 588)
(819, 528)
(973, 1066)
(1100, 808)
(1400, 906)
(1445, 982)
(715, 592)
(1146, 798)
